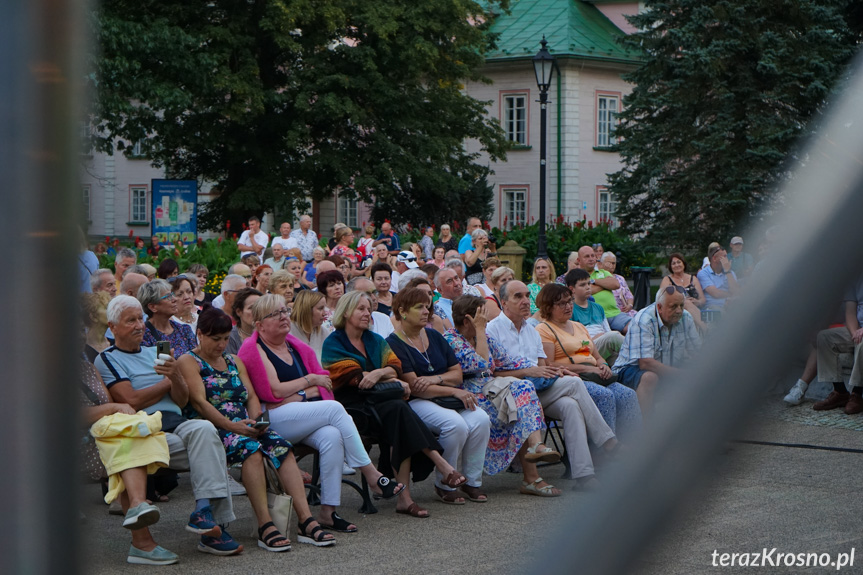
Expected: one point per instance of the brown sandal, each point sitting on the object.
(414, 510)
(454, 479)
(475, 494)
(448, 497)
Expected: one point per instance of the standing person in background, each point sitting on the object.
(344, 238)
(741, 262)
(475, 256)
(466, 242)
(446, 239)
(284, 240)
(307, 239)
(331, 243)
(427, 243)
(390, 238)
(253, 241)
(155, 247)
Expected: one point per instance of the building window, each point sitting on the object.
(139, 205)
(606, 206)
(607, 106)
(348, 212)
(137, 150)
(85, 197)
(514, 207)
(515, 118)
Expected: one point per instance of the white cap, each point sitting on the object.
(408, 258)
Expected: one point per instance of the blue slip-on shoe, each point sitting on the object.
(202, 523)
(222, 545)
(158, 556)
(141, 516)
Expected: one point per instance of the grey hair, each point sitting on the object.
(136, 269)
(150, 270)
(118, 305)
(478, 233)
(352, 285)
(347, 305)
(454, 263)
(607, 255)
(233, 281)
(150, 293)
(437, 281)
(126, 253)
(409, 275)
(318, 249)
(496, 274)
(573, 256)
(503, 289)
(96, 277)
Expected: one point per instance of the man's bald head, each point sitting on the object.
(325, 266)
(586, 258)
(131, 283)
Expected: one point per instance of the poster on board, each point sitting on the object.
(175, 210)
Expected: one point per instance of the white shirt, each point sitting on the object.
(261, 237)
(394, 282)
(219, 302)
(286, 243)
(524, 342)
(382, 324)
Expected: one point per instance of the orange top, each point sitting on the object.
(578, 346)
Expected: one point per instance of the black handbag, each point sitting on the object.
(384, 391)
(449, 402)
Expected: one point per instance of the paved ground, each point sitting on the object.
(797, 500)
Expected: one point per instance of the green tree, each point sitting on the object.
(725, 91)
(278, 100)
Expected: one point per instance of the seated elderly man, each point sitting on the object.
(563, 397)
(717, 280)
(591, 315)
(602, 287)
(838, 340)
(133, 375)
(103, 280)
(449, 286)
(230, 286)
(661, 338)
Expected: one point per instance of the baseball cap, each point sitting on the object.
(408, 259)
(736, 240)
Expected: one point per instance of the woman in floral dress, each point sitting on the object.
(480, 356)
(220, 392)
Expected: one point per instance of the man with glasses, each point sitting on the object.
(661, 338)
(230, 286)
(381, 324)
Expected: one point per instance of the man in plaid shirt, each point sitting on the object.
(661, 338)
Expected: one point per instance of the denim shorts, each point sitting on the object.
(630, 375)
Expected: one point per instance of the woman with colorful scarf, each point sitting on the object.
(357, 359)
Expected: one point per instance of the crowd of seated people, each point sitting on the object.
(436, 351)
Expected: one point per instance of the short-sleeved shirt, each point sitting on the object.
(440, 355)
(307, 242)
(465, 244)
(649, 338)
(261, 237)
(741, 263)
(287, 243)
(443, 309)
(709, 278)
(394, 245)
(577, 346)
(276, 265)
(855, 294)
(116, 365)
(605, 297)
(592, 317)
(524, 342)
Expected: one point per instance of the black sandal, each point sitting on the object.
(388, 488)
(315, 536)
(340, 525)
(270, 540)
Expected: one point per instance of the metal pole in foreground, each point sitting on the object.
(543, 67)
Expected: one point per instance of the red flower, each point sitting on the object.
(234, 236)
(244, 225)
(590, 224)
(410, 227)
(107, 240)
(200, 241)
(505, 219)
(220, 239)
(228, 225)
(485, 224)
(131, 233)
(387, 221)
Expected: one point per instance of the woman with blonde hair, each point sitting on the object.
(543, 274)
(94, 307)
(499, 276)
(307, 319)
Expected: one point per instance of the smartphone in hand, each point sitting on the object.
(163, 347)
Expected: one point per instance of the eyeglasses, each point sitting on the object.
(671, 289)
(279, 312)
(169, 295)
(564, 304)
(248, 277)
(230, 291)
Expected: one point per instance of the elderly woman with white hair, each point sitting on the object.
(571, 264)
(160, 304)
(475, 256)
(622, 296)
(287, 377)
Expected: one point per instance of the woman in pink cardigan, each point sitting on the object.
(286, 376)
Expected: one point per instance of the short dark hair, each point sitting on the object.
(240, 301)
(430, 269)
(550, 295)
(380, 267)
(324, 279)
(214, 321)
(678, 256)
(177, 282)
(409, 297)
(254, 219)
(574, 276)
(414, 282)
(464, 306)
(166, 268)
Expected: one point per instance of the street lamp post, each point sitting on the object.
(543, 66)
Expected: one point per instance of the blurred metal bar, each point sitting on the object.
(40, 43)
(821, 231)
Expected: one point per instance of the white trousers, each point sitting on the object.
(327, 427)
(463, 435)
(567, 400)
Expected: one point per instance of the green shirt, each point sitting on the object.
(604, 297)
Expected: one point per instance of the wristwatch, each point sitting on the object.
(302, 393)
(592, 281)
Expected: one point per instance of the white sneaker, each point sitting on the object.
(795, 396)
(347, 469)
(234, 487)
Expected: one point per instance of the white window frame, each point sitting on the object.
(606, 118)
(349, 212)
(515, 200)
(138, 204)
(85, 200)
(606, 206)
(515, 127)
(137, 150)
